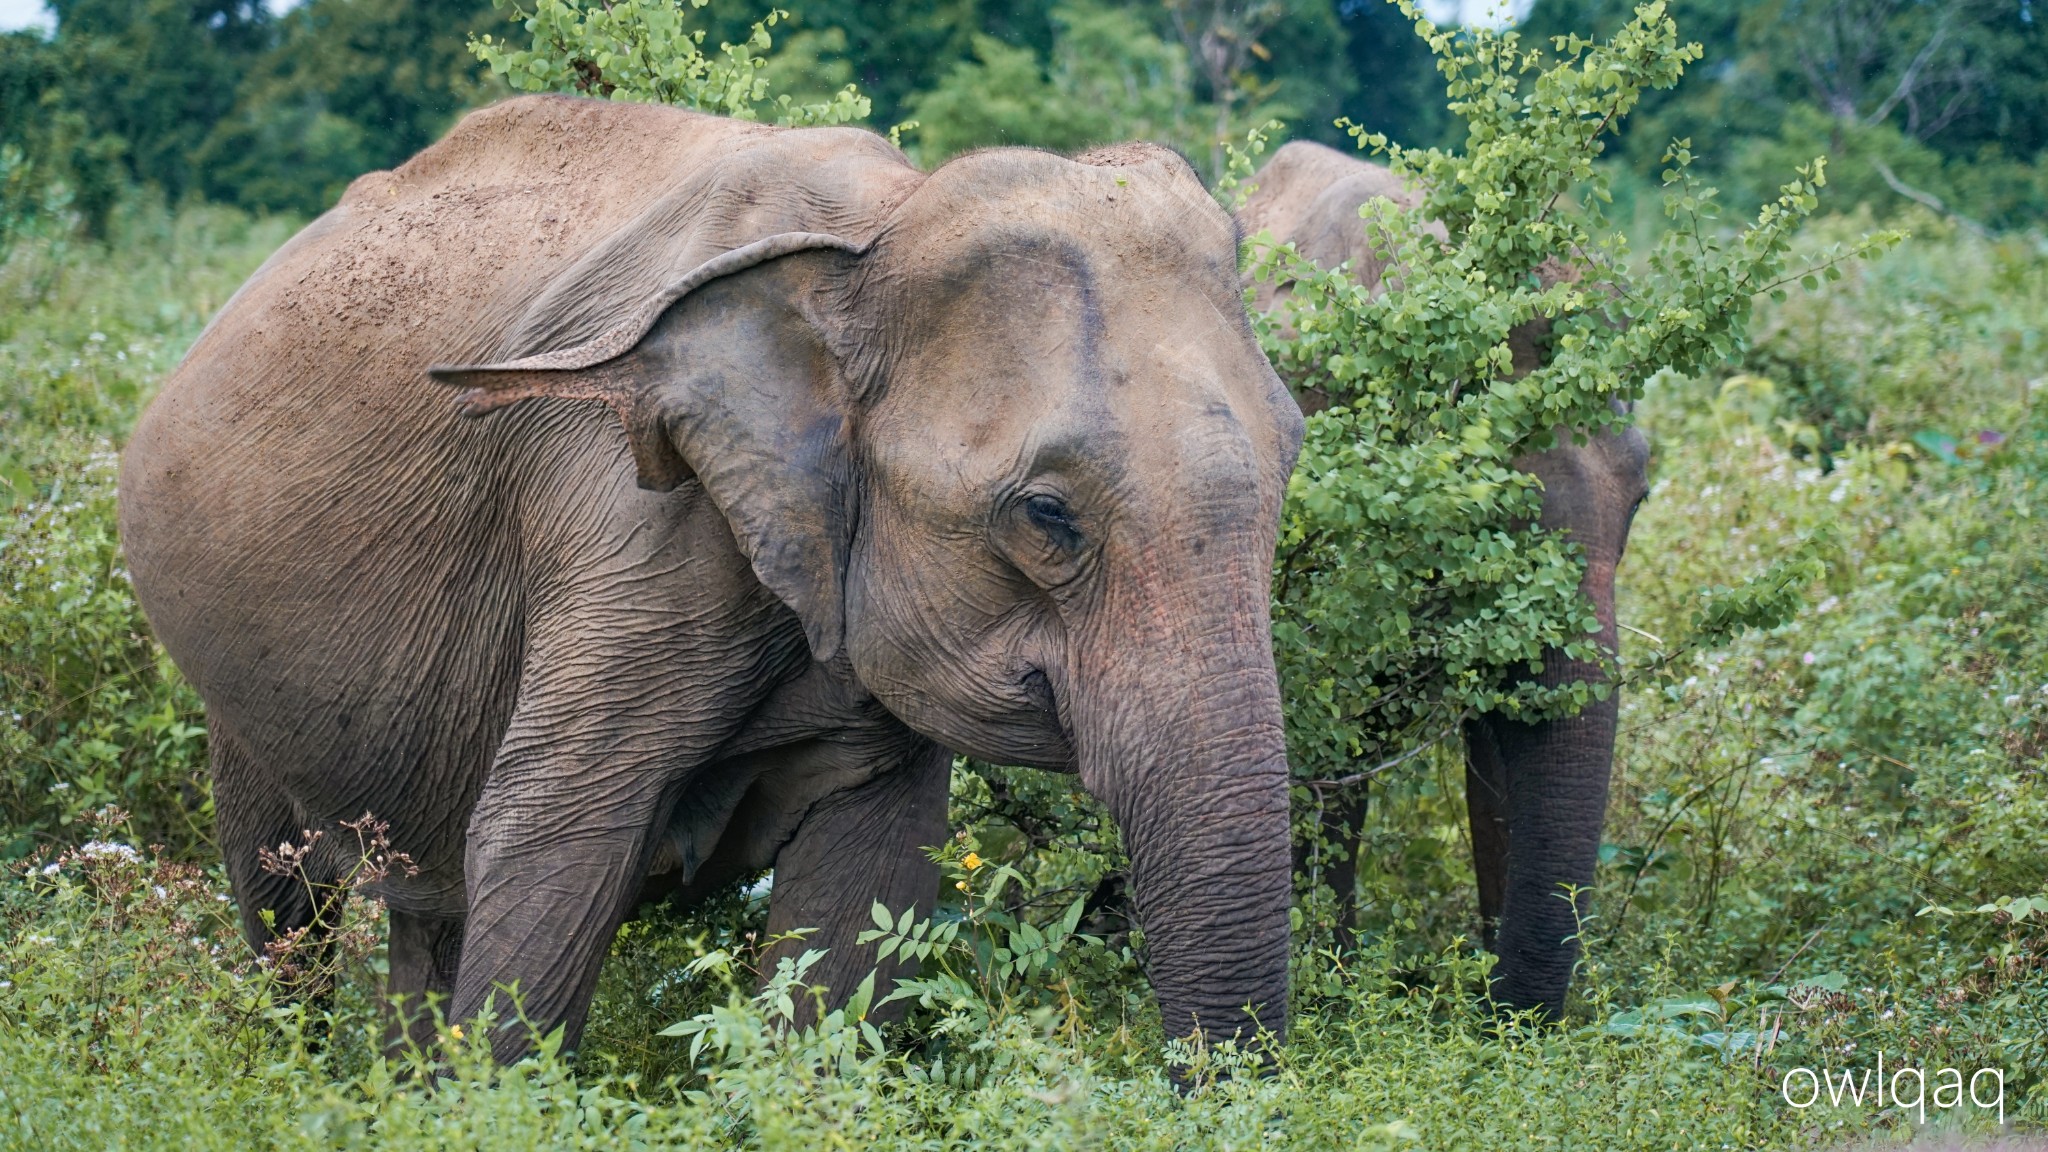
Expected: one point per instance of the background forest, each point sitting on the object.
(226, 102)
(1826, 834)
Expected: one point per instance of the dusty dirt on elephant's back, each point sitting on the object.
(435, 259)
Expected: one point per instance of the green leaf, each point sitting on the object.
(863, 996)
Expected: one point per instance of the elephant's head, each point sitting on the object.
(1538, 792)
(1016, 454)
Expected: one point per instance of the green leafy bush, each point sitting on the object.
(645, 50)
(127, 1016)
(1412, 585)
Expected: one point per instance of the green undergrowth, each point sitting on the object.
(90, 710)
(132, 1017)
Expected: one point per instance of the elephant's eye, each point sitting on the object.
(1632, 510)
(1042, 538)
(1049, 514)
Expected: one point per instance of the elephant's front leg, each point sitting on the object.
(561, 838)
(852, 849)
(554, 858)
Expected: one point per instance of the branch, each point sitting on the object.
(1957, 101)
(1927, 198)
(1403, 758)
(1910, 78)
(1837, 101)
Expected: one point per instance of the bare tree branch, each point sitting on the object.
(1848, 48)
(1928, 199)
(1910, 78)
(1222, 36)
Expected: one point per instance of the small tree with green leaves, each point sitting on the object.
(1412, 586)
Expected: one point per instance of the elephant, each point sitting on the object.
(1536, 792)
(619, 501)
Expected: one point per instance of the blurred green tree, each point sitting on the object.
(1396, 89)
(350, 86)
(1943, 102)
(1190, 76)
(1108, 77)
(157, 75)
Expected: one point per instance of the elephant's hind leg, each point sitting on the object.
(424, 954)
(286, 913)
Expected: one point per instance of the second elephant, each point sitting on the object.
(1536, 793)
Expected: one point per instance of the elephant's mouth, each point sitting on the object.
(1051, 745)
(1038, 693)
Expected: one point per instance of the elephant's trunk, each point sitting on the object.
(1539, 801)
(1178, 730)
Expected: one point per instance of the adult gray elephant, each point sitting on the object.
(801, 467)
(1536, 793)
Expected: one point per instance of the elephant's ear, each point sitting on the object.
(726, 374)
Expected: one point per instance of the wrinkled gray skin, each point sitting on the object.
(786, 468)
(1537, 793)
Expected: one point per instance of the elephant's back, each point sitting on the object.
(438, 260)
(302, 426)
(329, 551)
(1289, 184)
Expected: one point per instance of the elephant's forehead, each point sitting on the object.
(1031, 326)
(1050, 313)
(1097, 397)
(1012, 202)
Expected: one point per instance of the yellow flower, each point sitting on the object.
(971, 861)
(962, 885)
(456, 1031)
